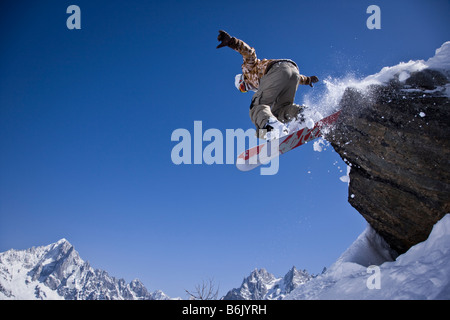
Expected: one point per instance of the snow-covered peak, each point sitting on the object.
(260, 275)
(295, 278)
(262, 285)
(56, 271)
(62, 241)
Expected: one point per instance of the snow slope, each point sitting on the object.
(423, 272)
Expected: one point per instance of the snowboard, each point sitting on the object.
(264, 153)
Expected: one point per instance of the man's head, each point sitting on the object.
(240, 83)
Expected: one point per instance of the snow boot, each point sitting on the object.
(275, 129)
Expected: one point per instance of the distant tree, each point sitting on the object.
(204, 291)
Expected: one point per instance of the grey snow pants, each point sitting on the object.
(275, 95)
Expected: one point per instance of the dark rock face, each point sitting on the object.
(396, 138)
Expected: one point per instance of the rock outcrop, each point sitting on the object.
(396, 138)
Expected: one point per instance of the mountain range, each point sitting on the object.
(262, 285)
(57, 272)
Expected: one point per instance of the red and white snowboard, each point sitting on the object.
(263, 153)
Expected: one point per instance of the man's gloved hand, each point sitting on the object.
(313, 79)
(224, 38)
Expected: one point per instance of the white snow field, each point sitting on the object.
(423, 272)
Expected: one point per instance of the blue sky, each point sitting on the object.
(86, 118)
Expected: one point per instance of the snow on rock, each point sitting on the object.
(423, 272)
(323, 104)
(326, 103)
(346, 178)
(441, 59)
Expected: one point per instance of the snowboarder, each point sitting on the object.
(275, 83)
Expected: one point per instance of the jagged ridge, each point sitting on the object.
(56, 271)
(262, 285)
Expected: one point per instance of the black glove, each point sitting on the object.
(313, 79)
(224, 38)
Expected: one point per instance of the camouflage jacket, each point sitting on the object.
(253, 68)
